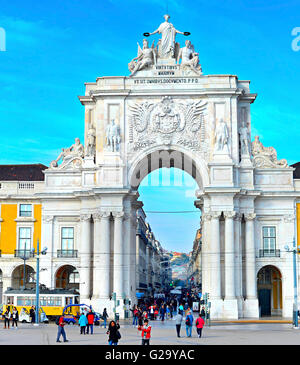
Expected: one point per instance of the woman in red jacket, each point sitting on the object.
(146, 332)
(199, 325)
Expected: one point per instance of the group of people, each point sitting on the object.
(11, 316)
(189, 320)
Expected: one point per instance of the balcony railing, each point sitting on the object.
(269, 253)
(24, 254)
(67, 253)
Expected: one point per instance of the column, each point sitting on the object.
(205, 256)
(251, 303)
(238, 260)
(215, 264)
(118, 254)
(251, 292)
(104, 265)
(97, 279)
(47, 277)
(229, 256)
(127, 253)
(85, 257)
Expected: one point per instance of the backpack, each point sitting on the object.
(57, 320)
(187, 321)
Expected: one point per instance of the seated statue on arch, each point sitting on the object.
(67, 154)
(146, 58)
(189, 58)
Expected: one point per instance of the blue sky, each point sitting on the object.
(53, 47)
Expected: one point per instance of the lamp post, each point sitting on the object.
(37, 305)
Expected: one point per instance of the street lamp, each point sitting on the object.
(37, 306)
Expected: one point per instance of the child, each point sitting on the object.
(146, 332)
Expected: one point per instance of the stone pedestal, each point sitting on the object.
(230, 309)
(250, 308)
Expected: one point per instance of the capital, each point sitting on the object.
(229, 215)
(48, 218)
(215, 214)
(250, 216)
(118, 214)
(206, 216)
(85, 217)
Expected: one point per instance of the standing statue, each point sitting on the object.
(146, 58)
(91, 140)
(167, 42)
(113, 137)
(189, 58)
(221, 136)
(244, 139)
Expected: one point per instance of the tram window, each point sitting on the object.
(43, 301)
(58, 301)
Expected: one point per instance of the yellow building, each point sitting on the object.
(20, 223)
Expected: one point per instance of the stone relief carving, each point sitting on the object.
(113, 137)
(167, 122)
(72, 157)
(189, 58)
(264, 157)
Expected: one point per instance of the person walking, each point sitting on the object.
(179, 318)
(104, 317)
(82, 323)
(134, 311)
(199, 325)
(189, 324)
(15, 317)
(202, 312)
(146, 332)
(90, 319)
(113, 333)
(7, 316)
(60, 329)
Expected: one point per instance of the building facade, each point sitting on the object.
(167, 113)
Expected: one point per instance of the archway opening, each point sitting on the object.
(23, 277)
(171, 222)
(269, 289)
(67, 277)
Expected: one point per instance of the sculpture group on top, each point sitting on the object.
(166, 49)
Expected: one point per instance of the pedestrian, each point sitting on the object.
(140, 317)
(113, 332)
(162, 313)
(146, 332)
(7, 316)
(134, 311)
(189, 324)
(152, 312)
(104, 317)
(199, 325)
(82, 323)
(171, 310)
(32, 314)
(168, 314)
(202, 312)
(15, 317)
(90, 319)
(179, 318)
(180, 309)
(60, 329)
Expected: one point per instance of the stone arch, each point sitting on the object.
(67, 277)
(269, 290)
(160, 156)
(19, 273)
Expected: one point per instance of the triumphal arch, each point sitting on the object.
(167, 113)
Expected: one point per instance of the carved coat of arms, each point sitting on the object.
(166, 122)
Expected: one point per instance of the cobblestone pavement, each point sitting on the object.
(162, 334)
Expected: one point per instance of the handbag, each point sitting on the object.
(118, 335)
